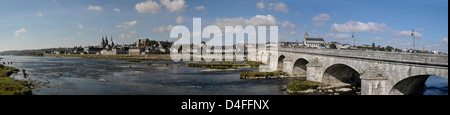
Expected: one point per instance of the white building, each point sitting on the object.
(313, 42)
(345, 46)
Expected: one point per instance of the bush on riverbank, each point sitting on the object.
(10, 86)
(119, 56)
(251, 75)
(134, 61)
(296, 86)
(7, 71)
(253, 64)
(217, 65)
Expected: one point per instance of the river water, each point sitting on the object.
(78, 76)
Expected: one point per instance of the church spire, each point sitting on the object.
(106, 40)
(306, 34)
(102, 45)
(112, 41)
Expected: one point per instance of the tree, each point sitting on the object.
(373, 46)
(333, 46)
(378, 47)
(389, 48)
(382, 49)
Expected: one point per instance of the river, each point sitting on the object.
(79, 76)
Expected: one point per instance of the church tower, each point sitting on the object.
(102, 45)
(306, 36)
(106, 40)
(112, 42)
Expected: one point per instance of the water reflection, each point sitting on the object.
(75, 76)
(68, 76)
(436, 86)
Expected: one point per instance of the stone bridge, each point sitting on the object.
(378, 73)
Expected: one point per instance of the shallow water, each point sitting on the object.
(79, 76)
(76, 76)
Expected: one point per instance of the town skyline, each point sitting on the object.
(29, 24)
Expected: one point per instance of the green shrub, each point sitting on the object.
(303, 85)
(6, 71)
(134, 61)
(249, 75)
(217, 65)
(253, 64)
(10, 86)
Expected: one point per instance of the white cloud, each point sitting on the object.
(20, 31)
(444, 40)
(288, 25)
(40, 14)
(80, 26)
(163, 28)
(129, 35)
(116, 10)
(126, 25)
(393, 41)
(174, 5)
(200, 8)
(282, 7)
(95, 8)
(352, 26)
(420, 29)
(293, 32)
(400, 42)
(317, 32)
(407, 34)
(180, 20)
(298, 13)
(320, 19)
(260, 5)
(338, 36)
(79, 33)
(377, 38)
(258, 20)
(148, 7)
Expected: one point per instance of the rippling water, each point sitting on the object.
(436, 86)
(76, 76)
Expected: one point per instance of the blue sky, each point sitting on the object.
(34, 24)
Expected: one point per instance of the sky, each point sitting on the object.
(36, 24)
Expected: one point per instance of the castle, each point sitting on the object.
(140, 47)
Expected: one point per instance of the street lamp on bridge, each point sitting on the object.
(414, 39)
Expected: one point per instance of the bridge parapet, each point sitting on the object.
(428, 59)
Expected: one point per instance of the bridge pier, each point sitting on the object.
(374, 82)
(287, 66)
(314, 71)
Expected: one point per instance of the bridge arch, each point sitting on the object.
(280, 63)
(300, 66)
(414, 85)
(341, 74)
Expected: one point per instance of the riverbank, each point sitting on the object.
(262, 75)
(129, 57)
(9, 86)
(316, 88)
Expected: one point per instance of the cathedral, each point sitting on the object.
(105, 44)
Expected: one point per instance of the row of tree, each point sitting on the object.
(374, 48)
